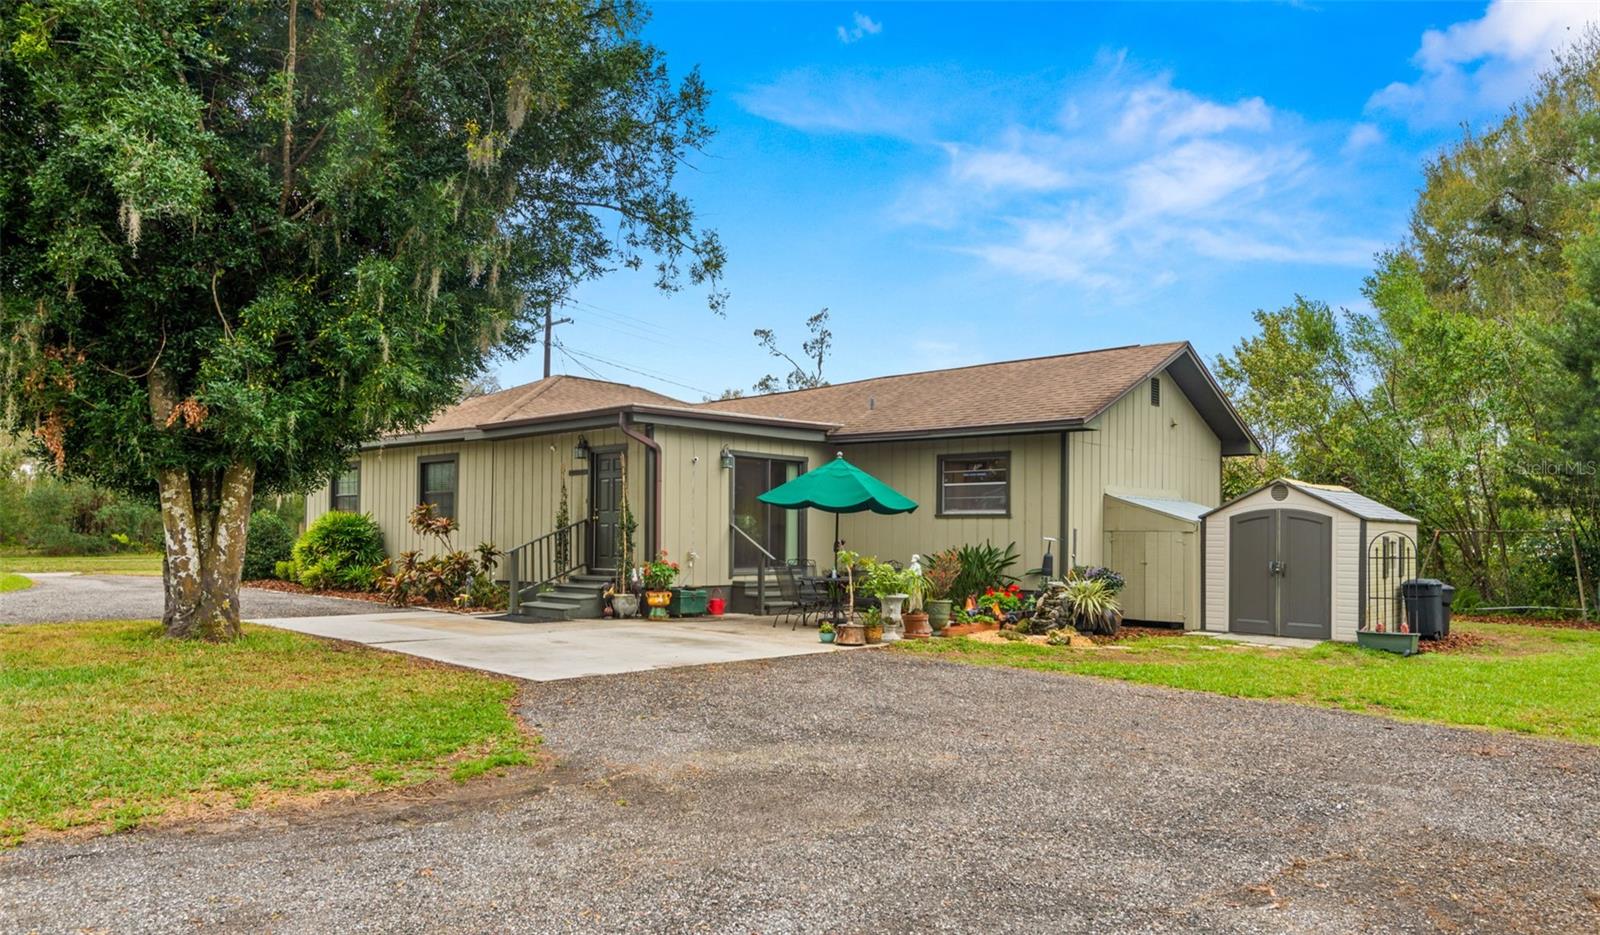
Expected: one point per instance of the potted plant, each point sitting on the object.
(825, 632)
(658, 575)
(872, 621)
(851, 632)
(624, 603)
(943, 570)
(887, 584)
(1091, 606)
(915, 618)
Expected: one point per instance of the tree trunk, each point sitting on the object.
(205, 519)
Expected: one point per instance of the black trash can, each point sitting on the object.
(1424, 606)
(1447, 596)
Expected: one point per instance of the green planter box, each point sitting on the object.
(1403, 643)
(687, 602)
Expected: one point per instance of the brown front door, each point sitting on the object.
(605, 504)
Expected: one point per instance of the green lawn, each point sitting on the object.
(118, 563)
(1528, 679)
(10, 582)
(107, 724)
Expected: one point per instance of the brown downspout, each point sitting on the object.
(653, 532)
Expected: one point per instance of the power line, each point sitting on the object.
(642, 373)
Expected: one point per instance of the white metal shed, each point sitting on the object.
(1305, 560)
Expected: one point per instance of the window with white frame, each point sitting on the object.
(975, 485)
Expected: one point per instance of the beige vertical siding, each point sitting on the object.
(1146, 547)
(697, 497)
(1134, 447)
(507, 489)
(912, 468)
(1348, 556)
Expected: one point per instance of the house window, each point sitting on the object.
(346, 488)
(1155, 391)
(975, 485)
(764, 530)
(438, 483)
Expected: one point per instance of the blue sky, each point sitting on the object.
(962, 183)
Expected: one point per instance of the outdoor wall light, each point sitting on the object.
(727, 459)
(581, 452)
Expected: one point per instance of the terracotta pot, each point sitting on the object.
(916, 626)
(850, 634)
(967, 629)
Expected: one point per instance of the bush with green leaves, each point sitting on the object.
(1091, 606)
(983, 567)
(450, 575)
(60, 517)
(340, 550)
(270, 543)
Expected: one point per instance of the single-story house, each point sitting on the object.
(1115, 454)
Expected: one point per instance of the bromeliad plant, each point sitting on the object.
(658, 573)
(943, 569)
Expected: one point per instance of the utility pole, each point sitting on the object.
(550, 321)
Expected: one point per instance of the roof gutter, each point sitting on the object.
(653, 532)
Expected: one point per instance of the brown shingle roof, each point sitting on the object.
(1066, 388)
(556, 396)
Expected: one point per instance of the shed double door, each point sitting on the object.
(1280, 574)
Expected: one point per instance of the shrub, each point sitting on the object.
(453, 575)
(1091, 606)
(286, 571)
(982, 567)
(1113, 580)
(340, 550)
(270, 543)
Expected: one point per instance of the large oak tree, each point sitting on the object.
(238, 239)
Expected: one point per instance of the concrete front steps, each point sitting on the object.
(574, 599)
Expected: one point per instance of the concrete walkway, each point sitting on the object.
(547, 652)
(1256, 639)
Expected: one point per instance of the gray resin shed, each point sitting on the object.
(1295, 559)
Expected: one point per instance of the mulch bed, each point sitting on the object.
(1531, 622)
(292, 587)
(1127, 633)
(1454, 643)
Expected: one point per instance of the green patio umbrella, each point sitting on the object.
(839, 487)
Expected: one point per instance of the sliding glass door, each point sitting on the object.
(780, 532)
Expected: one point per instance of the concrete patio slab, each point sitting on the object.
(1271, 642)
(547, 652)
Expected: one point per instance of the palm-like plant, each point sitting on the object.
(1092, 607)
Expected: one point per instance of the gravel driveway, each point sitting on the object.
(138, 597)
(872, 792)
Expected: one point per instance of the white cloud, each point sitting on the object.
(846, 102)
(1483, 65)
(1119, 183)
(1158, 111)
(1361, 136)
(864, 26)
(991, 169)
